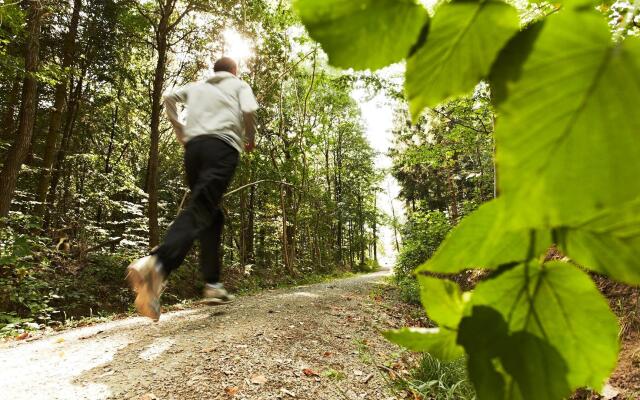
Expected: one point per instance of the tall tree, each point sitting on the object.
(59, 105)
(20, 146)
(163, 25)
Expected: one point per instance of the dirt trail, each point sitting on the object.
(257, 348)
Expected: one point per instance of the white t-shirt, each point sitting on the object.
(216, 107)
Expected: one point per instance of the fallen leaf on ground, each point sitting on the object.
(327, 354)
(59, 340)
(231, 390)
(258, 379)
(287, 392)
(209, 350)
(310, 372)
(22, 336)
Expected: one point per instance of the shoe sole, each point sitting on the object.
(215, 302)
(137, 282)
(135, 278)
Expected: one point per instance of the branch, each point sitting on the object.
(282, 183)
(144, 14)
(186, 11)
(257, 183)
(103, 244)
(457, 121)
(286, 71)
(187, 33)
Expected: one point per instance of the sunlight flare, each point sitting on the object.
(236, 46)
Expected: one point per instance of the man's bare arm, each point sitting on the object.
(171, 108)
(250, 131)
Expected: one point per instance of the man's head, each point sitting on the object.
(226, 64)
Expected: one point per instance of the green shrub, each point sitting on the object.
(409, 289)
(25, 293)
(367, 266)
(421, 237)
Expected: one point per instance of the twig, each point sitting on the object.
(186, 193)
(286, 71)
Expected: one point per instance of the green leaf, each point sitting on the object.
(608, 244)
(568, 141)
(559, 304)
(463, 41)
(508, 66)
(442, 299)
(510, 366)
(537, 368)
(363, 34)
(481, 241)
(440, 343)
(482, 334)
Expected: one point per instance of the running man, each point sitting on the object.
(220, 124)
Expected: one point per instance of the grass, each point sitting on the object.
(333, 374)
(438, 380)
(364, 353)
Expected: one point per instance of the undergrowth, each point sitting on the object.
(438, 380)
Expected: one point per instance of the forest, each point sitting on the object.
(92, 174)
(515, 149)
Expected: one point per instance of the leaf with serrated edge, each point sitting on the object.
(364, 34)
(608, 244)
(440, 343)
(463, 41)
(481, 240)
(560, 304)
(568, 140)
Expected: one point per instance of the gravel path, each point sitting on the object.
(311, 342)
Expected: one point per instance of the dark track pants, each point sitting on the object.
(210, 164)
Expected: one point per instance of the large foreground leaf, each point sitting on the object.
(440, 343)
(609, 243)
(560, 305)
(442, 300)
(482, 240)
(464, 39)
(483, 334)
(363, 34)
(568, 141)
(531, 368)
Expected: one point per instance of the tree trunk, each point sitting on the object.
(18, 151)
(59, 105)
(58, 166)
(375, 226)
(285, 244)
(249, 245)
(362, 242)
(9, 117)
(156, 109)
(453, 197)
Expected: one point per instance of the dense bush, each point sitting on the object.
(421, 236)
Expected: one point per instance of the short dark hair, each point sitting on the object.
(225, 64)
